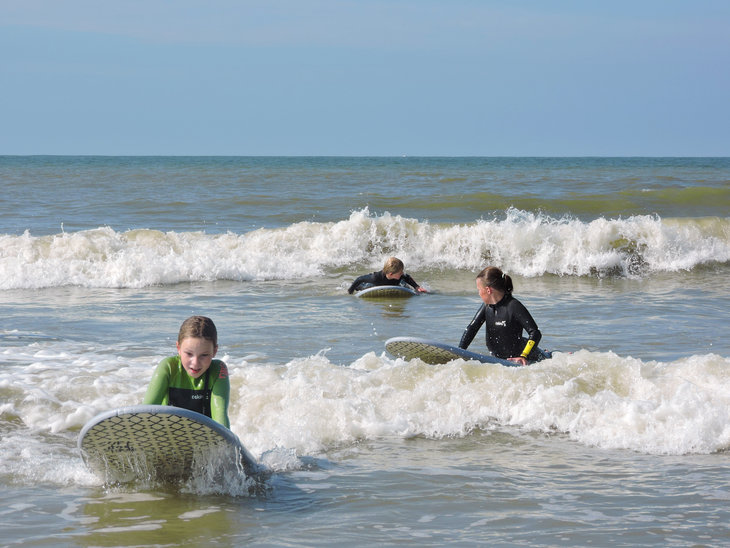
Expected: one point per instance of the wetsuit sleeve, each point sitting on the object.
(409, 280)
(219, 397)
(473, 328)
(157, 391)
(523, 316)
(360, 280)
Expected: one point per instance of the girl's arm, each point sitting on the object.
(360, 280)
(157, 391)
(410, 281)
(473, 328)
(219, 397)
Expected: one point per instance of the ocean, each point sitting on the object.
(621, 439)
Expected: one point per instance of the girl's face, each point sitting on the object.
(485, 293)
(196, 354)
(394, 275)
(488, 294)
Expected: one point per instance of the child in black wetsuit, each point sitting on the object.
(392, 274)
(505, 318)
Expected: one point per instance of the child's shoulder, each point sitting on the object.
(219, 369)
(170, 361)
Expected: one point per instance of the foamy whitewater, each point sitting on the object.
(621, 438)
(526, 244)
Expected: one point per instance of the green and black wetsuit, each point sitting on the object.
(208, 394)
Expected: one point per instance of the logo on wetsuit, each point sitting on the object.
(194, 400)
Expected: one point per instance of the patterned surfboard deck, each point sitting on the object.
(158, 442)
(386, 292)
(436, 353)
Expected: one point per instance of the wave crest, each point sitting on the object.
(523, 243)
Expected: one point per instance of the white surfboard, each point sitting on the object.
(433, 352)
(158, 442)
(386, 291)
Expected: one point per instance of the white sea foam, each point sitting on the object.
(523, 243)
(594, 398)
(282, 411)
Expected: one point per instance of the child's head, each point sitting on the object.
(393, 267)
(494, 278)
(197, 345)
(199, 327)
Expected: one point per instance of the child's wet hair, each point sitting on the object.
(393, 265)
(200, 327)
(494, 277)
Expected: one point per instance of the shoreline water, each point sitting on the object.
(621, 438)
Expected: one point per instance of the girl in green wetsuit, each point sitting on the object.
(193, 379)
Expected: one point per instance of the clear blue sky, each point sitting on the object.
(382, 77)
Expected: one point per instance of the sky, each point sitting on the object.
(365, 77)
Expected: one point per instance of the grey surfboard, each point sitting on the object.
(386, 292)
(158, 441)
(433, 352)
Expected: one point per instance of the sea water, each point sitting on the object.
(621, 439)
